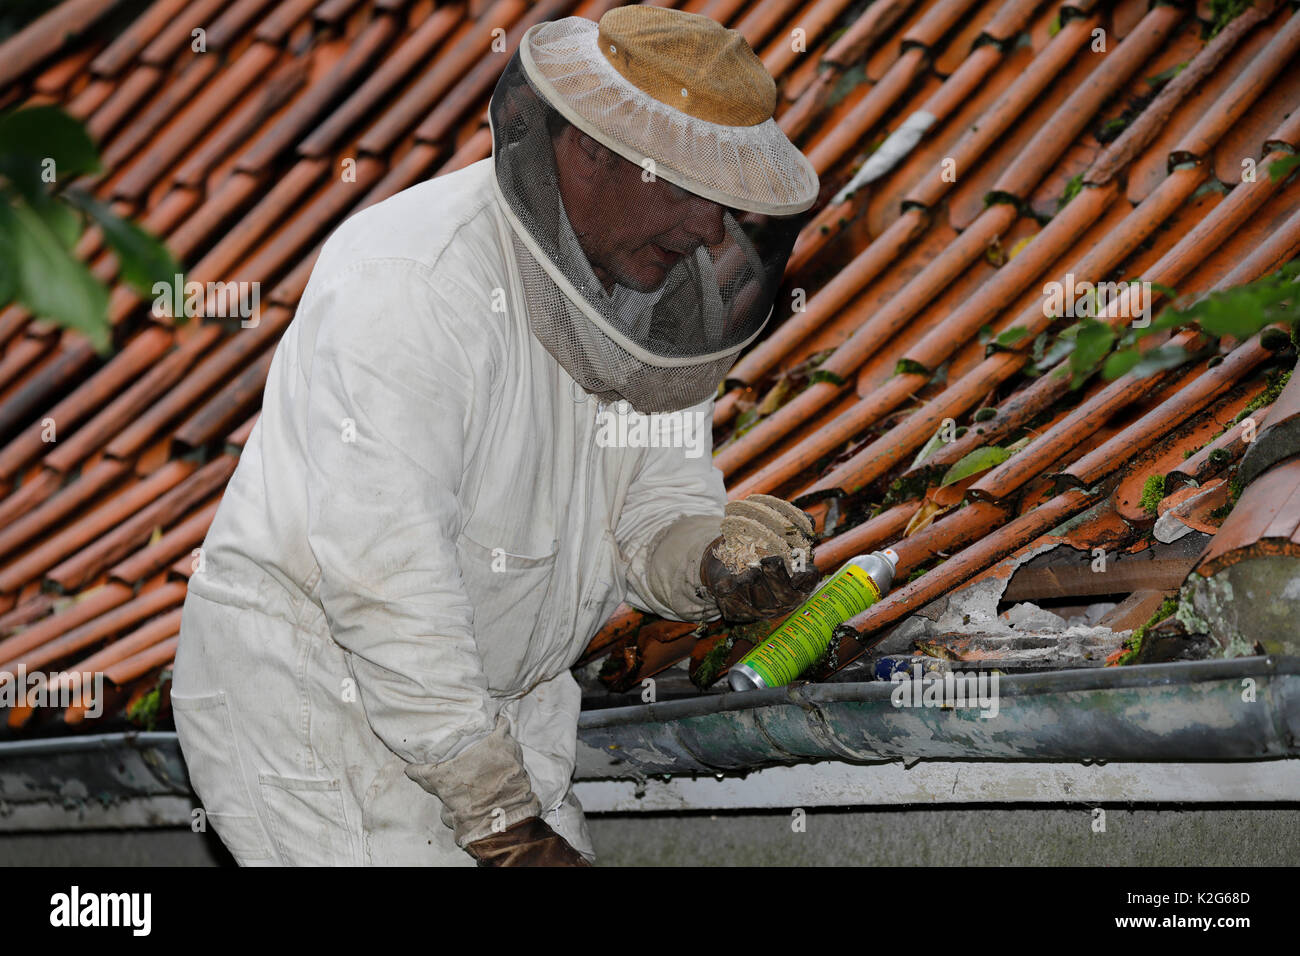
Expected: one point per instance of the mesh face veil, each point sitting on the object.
(651, 243)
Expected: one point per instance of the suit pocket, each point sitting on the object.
(509, 592)
(307, 820)
(211, 752)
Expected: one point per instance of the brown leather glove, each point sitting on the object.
(762, 565)
(529, 842)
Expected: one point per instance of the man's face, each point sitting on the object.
(632, 231)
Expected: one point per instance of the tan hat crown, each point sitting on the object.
(688, 62)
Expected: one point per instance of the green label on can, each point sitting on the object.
(793, 647)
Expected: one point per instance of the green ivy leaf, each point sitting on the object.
(63, 221)
(1063, 346)
(981, 459)
(143, 259)
(929, 448)
(1281, 168)
(1012, 335)
(1091, 344)
(1168, 319)
(51, 283)
(1157, 360)
(1238, 316)
(39, 133)
(1120, 363)
(8, 257)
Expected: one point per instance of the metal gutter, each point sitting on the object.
(1193, 713)
(1240, 709)
(90, 780)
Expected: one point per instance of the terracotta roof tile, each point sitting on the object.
(814, 19)
(150, 385)
(34, 490)
(53, 82)
(362, 53)
(90, 98)
(181, 539)
(1266, 522)
(260, 103)
(467, 49)
(239, 436)
(95, 603)
(1217, 455)
(1223, 59)
(50, 510)
(90, 561)
(1247, 136)
(47, 35)
(953, 46)
(1004, 115)
(227, 408)
(126, 97)
(127, 46)
(123, 368)
(965, 97)
(1276, 430)
(90, 526)
(143, 662)
(179, 135)
(1246, 88)
(157, 631)
(125, 615)
(335, 11)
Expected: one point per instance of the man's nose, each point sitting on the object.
(704, 220)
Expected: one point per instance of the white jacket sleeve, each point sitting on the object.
(400, 376)
(673, 510)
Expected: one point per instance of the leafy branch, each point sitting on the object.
(40, 227)
(1240, 312)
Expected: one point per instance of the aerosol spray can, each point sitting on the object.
(793, 647)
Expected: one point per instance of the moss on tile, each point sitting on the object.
(711, 665)
(143, 711)
(1072, 188)
(1276, 382)
(1152, 494)
(1223, 12)
(1234, 492)
(924, 569)
(906, 488)
(1133, 643)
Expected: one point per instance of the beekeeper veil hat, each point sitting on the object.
(652, 197)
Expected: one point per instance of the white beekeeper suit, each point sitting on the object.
(422, 536)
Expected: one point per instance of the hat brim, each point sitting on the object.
(754, 168)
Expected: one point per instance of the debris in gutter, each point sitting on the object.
(1027, 636)
(708, 660)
